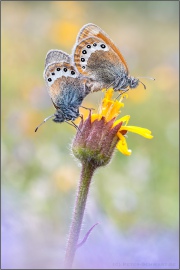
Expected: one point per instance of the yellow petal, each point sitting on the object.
(116, 106)
(113, 111)
(106, 105)
(122, 119)
(117, 122)
(94, 117)
(141, 131)
(123, 96)
(110, 108)
(122, 145)
(109, 93)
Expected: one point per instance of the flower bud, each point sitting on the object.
(95, 141)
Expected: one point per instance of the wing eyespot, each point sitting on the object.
(65, 69)
(103, 46)
(58, 69)
(49, 80)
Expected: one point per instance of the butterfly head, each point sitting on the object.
(59, 117)
(65, 114)
(133, 82)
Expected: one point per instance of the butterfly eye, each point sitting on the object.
(82, 59)
(84, 51)
(58, 69)
(103, 46)
(65, 69)
(88, 46)
(53, 73)
(49, 80)
(72, 72)
(95, 44)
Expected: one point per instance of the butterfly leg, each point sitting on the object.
(124, 90)
(74, 125)
(109, 85)
(81, 116)
(90, 109)
(114, 84)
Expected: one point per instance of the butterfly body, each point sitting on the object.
(66, 87)
(96, 56)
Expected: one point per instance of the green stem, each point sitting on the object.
(85, 180)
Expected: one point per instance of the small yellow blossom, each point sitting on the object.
(110, 109)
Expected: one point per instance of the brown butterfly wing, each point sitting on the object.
(88, 30)
(56, 56)
(58, 79)
(98, 61)
(78, 53)
(66, 87)
(92, 30)
(55, 63)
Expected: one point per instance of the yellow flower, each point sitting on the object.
(110, 109)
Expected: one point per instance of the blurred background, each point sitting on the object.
(134, 199)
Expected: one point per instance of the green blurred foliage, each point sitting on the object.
(38, 169)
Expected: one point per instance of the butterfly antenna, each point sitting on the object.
(150, 78)
(143, 85)
(147, 78)
(44, 121)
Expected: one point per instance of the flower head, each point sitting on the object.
(100, 133)
(110, 109)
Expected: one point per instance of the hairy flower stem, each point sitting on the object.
(85, 179)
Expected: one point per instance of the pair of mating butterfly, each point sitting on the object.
(95, 63)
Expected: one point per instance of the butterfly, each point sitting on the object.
(66, 87)
(96, 56)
